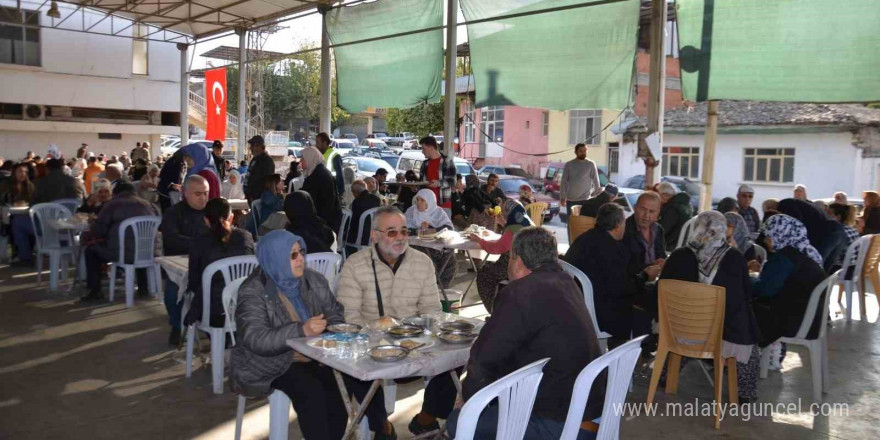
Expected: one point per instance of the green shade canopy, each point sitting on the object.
(394, 72)
(780, 50)
(580, 58)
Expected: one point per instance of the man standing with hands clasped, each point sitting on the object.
(580, 180)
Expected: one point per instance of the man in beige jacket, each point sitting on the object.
(407, 286)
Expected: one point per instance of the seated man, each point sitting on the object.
(600, 255)
(125, 204)
(363, 201)
(676, 211)
(407, 286)
(540, 307)
(590, 208)
(56, 185)
(182, 224)
(644, 241)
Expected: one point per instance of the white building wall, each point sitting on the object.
(824, 162)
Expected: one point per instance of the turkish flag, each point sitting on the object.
(215, 104)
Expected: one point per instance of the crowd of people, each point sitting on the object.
(532, 303)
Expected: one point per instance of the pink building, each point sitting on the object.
(502, 135)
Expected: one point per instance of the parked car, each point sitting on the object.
(511, 184)
(627, 197)
(295, 152)
(399, 138)
(376, 144)
(367, 167)
(412, 144)
(351, 136)
(412, 160)
(294, 144)
(682, 183)
(381, 135)
(343, 143)
(553, 177)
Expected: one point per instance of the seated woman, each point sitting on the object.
(477, 203)
(846, 215)
(101, 193)
(513, 218)
(148, 184)
(526, 197)
(232, 187)
(738, 236)
(709, 259)
(271, 201)
(792, 271)
(425, 215)
(405, 193)
(223, 241)
(19, 192)
(304, 221)
(283, 300)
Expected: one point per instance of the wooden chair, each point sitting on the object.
(691, 324)
(536, 212)
(578, 224)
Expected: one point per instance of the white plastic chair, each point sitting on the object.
(175, 197)
(279, 410)
(371, 214)
(685, 234)
(620, 363)
(71, 204)
(516, 394)
(818, 347)
(49, 240)
(859, 249)
(344, 226)
(233, 269)
(760, 253)
(328, 264)
(587, 287)
(295, 184)
(258, 217)
(144, 229)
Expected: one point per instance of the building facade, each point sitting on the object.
(65, 87)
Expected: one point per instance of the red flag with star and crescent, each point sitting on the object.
(215, 104)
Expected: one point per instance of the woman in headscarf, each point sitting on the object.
(321, 185)
(223, 241)
(101, 193)
(738, 236)
(148, 184)
(708, 258)
(200, 161)
(425, 215)
(282, 300)
(304, 222)
(232, 188)
(477, 203)
(513, 218)
(171, 178)
(792, 271)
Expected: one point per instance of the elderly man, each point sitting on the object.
(332, 160)
(391, 279)
(261, 166)
(182, 224)
(676, 211)
(363, 201)
(744, 198)
(372, 185)
(57, 185)
(645, 242)
(114, 173)
(125, 204)
(541, 306)
(601, 255)
(840, 197)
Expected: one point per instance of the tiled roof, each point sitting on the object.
(753, 113)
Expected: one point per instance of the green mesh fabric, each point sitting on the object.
(780, 50)
(572, 59)
(395, 72)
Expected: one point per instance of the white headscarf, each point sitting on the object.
(312, 157)
(434, 215)
(231, 190)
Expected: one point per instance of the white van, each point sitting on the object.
(412, 160)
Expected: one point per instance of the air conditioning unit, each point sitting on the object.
(33, 112)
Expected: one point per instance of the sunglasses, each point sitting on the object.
(296, 254)
(393, 233)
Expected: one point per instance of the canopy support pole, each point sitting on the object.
(324, 104)
(709, 156)
(449, 124)
(242, 95)
(657, 85)
(184, 94)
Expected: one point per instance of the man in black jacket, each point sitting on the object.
(646, 245)
(182, 224)
(362, 202)
(219, 161)
(261, 166)
(534, 318)
(600, 255)
(590, 208)
(124, 205)
(56, 185)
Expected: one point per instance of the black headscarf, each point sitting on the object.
(304, 221)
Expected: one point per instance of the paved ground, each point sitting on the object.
(101, 371)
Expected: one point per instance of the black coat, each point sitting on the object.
(636, 249)
(740, 326)
(304, 221)
(826, 235)
(361, 204)
(181, 226)
(604, 260)
(261, 166)
(475, 198)
(782, 314)
(207, 250)
(321, 186)
(590, 208)
(541, 315)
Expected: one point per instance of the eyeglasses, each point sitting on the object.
(296, 254)
(392, 233)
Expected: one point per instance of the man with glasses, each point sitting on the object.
(744, 198)
(391, 279)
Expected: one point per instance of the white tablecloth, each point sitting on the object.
(459, 242)
(177, 268)
(239, 204)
